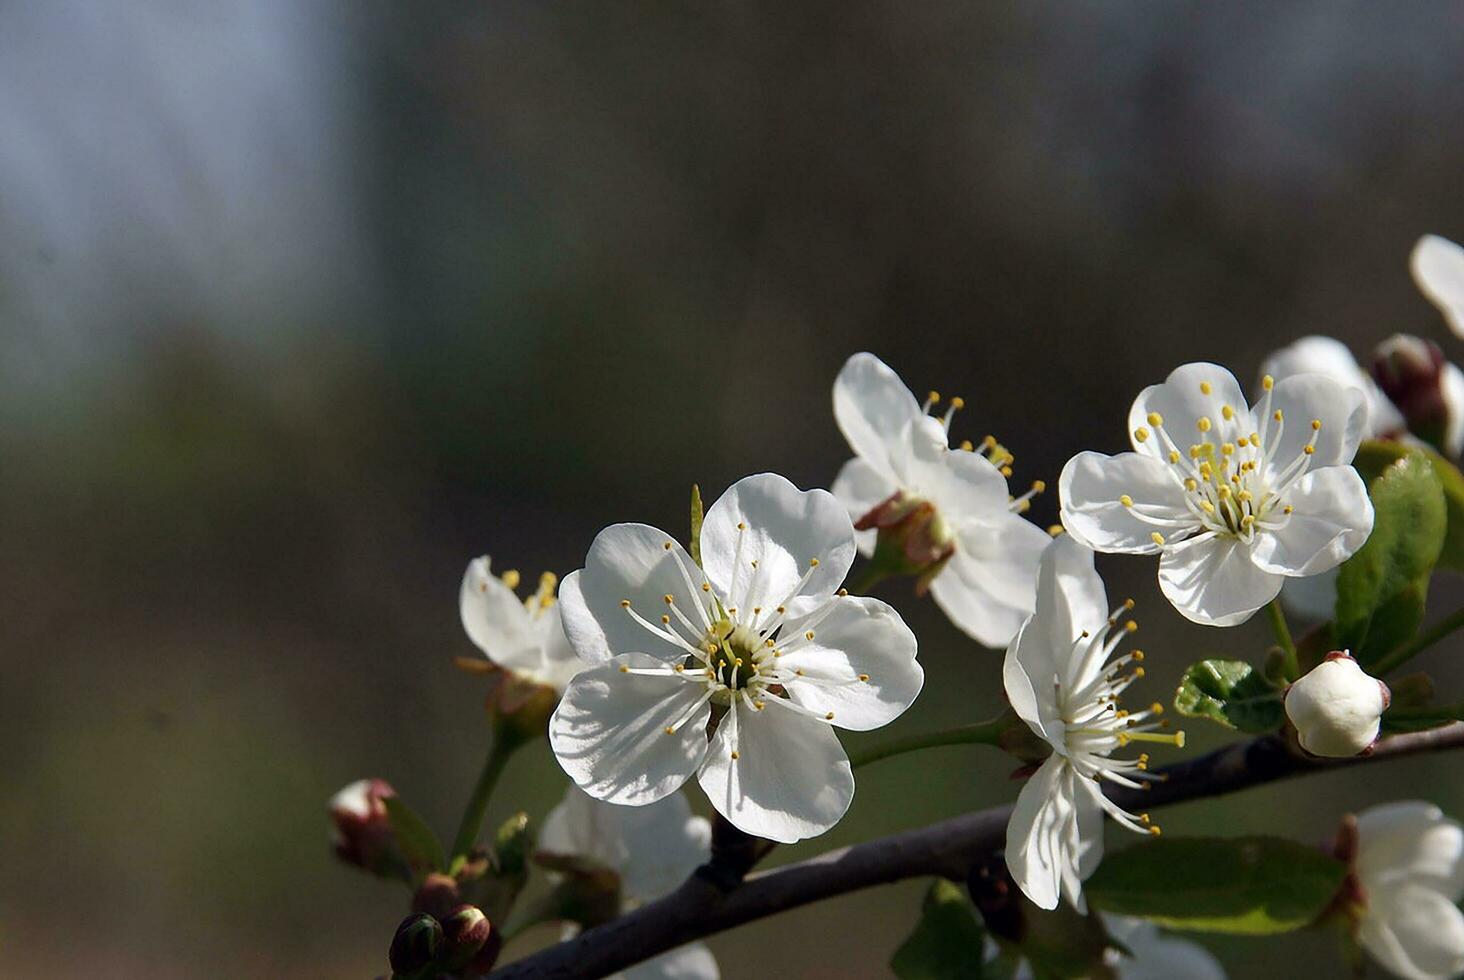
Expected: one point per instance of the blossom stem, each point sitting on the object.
(1421, 642)
(502, 747)
(981, 733)
(1283, 639)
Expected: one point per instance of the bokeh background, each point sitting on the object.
(304, 305)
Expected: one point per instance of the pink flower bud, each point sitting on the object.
(1427, 389)
(363, 835)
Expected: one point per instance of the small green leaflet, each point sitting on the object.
(1230, 692)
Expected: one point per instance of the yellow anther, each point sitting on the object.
(967, 445)
(933, 397)
(813, 563)
(808, 635)
(1227, 448)
(1173, 456)
(1286, 509)
(841, 593)
(706, 586)
(1131, 627)
(1006, 471)
(1128, 603)
(1277, 415)
(1244, 495)
(509, 578)
(667, 546)
(1179, 739)
(1039, 486)
(1268, 382)
(668, 598)
(759, 705)
(1154, 828)
(1227, 412)
(1155, 419)
(624, 603)
(1191, 484)
(679, 668)
(1126, 500)
(799, 672)
(768, 643)
(1316, 425)
(782, 609)
(958, 402)
(1203, 423)
(1054, 529)
(669, 730)
(1139, 672)
(665, 619)
(864, 677)
(741, 526)
(829, 716)
(1141, 434)
(1157, 538)
(736, 754)
(1308, 449)
(1224, 492)
(624, 669)
(1137, 655)
(1208, 507)
(988, 441)
(1205, 388)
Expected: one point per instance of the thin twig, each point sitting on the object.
(949, 849)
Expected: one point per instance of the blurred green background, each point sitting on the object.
(302, 306)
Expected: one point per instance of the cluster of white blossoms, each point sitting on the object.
(736, 667)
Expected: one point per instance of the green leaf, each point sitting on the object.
(1243, 885)
(949, 941)
(1230, 692)
(1421, 719)
(418, 842)
(1374, 456)
(1381, 589)
(696, 523)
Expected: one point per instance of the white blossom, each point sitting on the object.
(1410, 864)
(1060, 680)
(525, 636)
(1234, 500)
(978, 553)
(652, 849)
(736, 671)
(1438, 269)
(1336, 707)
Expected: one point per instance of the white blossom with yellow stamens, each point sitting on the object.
(1061, 682)
(1235, 500)
(734, 671)
(981, 554)
(524, 637)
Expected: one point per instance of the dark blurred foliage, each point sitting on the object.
(299, 311)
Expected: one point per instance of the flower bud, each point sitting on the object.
(363, 833)
(469, 941)
(416, 944)
(1337, 708)
(1428, 390)
(437, 895)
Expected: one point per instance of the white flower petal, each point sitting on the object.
(1328, 356)
(1070, 593)
(1332, 517)
(1451, 390)
(626, 561)
(608, 732)
(859, 486)
(653, 848)
(1414, 932)
(783, 529)
(1303, 398)
(791, 779)
(558, 662)
(962, 484)
(1029, 676)
(1091, 488)
(1213, 581)
(495, 619)
(1158, 956)
(1411, 840)
(873, 407)
(1181, 401)
(1035, 851)
(694, 961)
(975, 612)
(861, 637)
(1438, 269)
(999, 558)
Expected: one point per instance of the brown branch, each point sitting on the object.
(948, 849)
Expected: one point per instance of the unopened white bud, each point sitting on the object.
(1337, 708)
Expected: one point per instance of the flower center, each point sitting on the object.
(1232, 481)
(733, 655)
